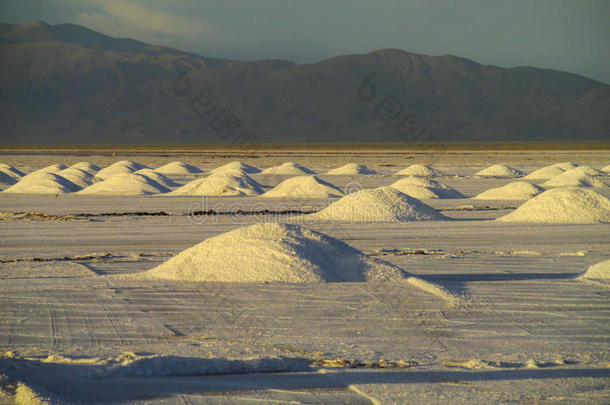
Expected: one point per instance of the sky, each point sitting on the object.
(567, 35)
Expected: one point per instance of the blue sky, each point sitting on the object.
(568, 35)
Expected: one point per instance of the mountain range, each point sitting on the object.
(68, 85)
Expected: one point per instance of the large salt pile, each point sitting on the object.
(599, 272)
(11, 171)
(606, 169)
(548, 172)
(574, 178)
(121, 167)
(352, 169)
(221, 184)
(563, 206)
(419, 171)
(288, 168)
(125, 184)
(518, 190)
(79, 177)
(43, 183)
(56, 168)
(304, 187)
(435, 189)
(236, 168)
(588, 170)
(383, 204)
(272, 252)
(178, 168)
(158, 177)
(500, 171)
(86, 166)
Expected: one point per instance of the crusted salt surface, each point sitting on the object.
(79, 177)
(43, 183)
(221, 184)
(419, 171)
(273, 252)
(120, 167)
(518, 190)
(563, 206)
(574, 178)
(288, 168)
(178, 167)
(304, 187)
(383, 204)
(500, 171)
(352, 169)
(236, 168)
(599, 272)
(439, 189)
(125, 184)
(158, 177)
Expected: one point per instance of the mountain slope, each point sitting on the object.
(66, 84)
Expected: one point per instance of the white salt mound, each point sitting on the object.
(86, 166)
(548, 172)
(606, 169)
(158, 177)
(419, 171)
(352, 169)
(565, 165)
(236, 168)
(221, 184)
(563, 206)
(125, 184)
(178, 168)
(588, 170)
(271, 252)
(304, 187)
(383, 204)
(79, 177)
(500, 171)
(599, 272)
(43, 183)
(574, 178)
(518, 190)
(11, 171)
(58, 167)
(121, 167)
(439, 189)
(288, 168)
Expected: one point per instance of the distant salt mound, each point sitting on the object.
(121, 167)
(221, 184)
(563, 206)
(598, 272)
(518, 190)
(574, 178)
(419, 171)
(351, 169)
(288, 168)
(548, 172)
(271, 252)
(158, 177)
(43, 183)
(588, 170)
(125, 184)
(79, 177)
(178, 168)
(383, 204)
(86, 166)
(500, 171)
(236, 168)
(439, 189)
(11, 171)
(56, 168)
(304, 187)
(606, 169)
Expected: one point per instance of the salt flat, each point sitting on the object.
(523, 328)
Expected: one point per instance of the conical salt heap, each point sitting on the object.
(304, 187)
(598, 272)
(574, 178)
(419, 171)
(500, 171)
(236, 168)
(383, 204)
(158, 177)
(178, 168)
(421, 188)
(120, 167)
(221, 184)
(79, 177)
(125, 184)
(351, 169)
(518, 190)
(288, 168)
(563, 206)
(43, 183)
